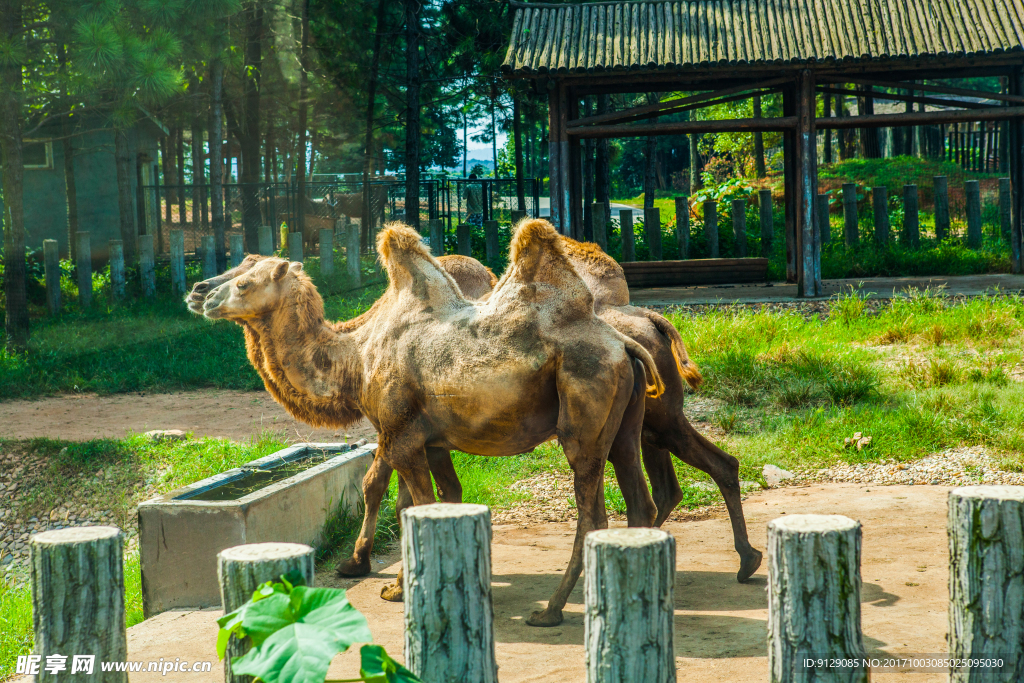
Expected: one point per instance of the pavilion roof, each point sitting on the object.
(656, 35)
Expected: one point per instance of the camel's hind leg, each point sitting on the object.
(692, 448)
(375, 485)
(664, 482)
(624, 456)
(449, 488)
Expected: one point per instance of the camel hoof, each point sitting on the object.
(392, 592)
(353, 567)
(749, 565)
(547, 617)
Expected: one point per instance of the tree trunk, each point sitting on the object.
(465, 147)
(371, 99)
(759, 141)
(217, 162)
(179, 154)
(125, 199)
(696, 182)
(986, 579)
(517, 142)
(814, 596)
(494, 139)
(78, 599)
(455, 593)
(68, 152)
(412, 113)
(300, 155)
(198, 180)
(629, 577)
(244, 568)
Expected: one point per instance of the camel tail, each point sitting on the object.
(687, 368)
(655, 385)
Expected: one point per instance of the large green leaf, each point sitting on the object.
(262, 619)
(298, 653)
(377, 667)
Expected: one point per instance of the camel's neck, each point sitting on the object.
(311, 369)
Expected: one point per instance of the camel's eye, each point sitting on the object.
(241, 286)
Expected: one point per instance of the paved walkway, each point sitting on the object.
(776, 292)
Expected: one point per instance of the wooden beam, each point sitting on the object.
(680, 127)
(930, 88)
(671, 106)
(909, 98)
(921, 118)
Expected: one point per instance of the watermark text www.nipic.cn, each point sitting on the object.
(86, 665)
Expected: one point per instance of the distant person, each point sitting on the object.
(475, 202)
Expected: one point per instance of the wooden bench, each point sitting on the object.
(710, 271)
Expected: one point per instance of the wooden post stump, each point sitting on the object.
(941, 193)
(1005, 202)
(973, 192)
(652, 231)
(265, 240)
(78, 600)
(449, 620)
(117, 269)
(911, 218)
(491, 241)
(627, 235)
(813, 596)
(464, 239)
(147, 265)
(711, 226)
(437, 237)
(327, 252)
(986, 578)
(209, 257)
(683, 227)
(824, 227)
(880, 211)
(83, 264)
(177, 261)
(295, 246)
(51, 266)
(236, 246)
(352, 247)
(600, 222)
(850, 227)
(241, 569)
(739, 226)
(629, 576)
(764, 208)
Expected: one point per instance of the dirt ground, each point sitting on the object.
(720, 624)
(217, 413)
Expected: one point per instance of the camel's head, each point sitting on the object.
(200, 290)
(264, 288)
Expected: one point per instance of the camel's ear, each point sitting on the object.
(295, 266)
(280, 270)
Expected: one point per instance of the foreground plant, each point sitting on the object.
(297, 630)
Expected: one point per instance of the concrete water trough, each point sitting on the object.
(286, 496)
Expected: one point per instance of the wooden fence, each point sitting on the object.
(813, 592)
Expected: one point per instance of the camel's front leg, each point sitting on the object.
(375, 485)
(415, 488)
(624, 456)
(449, 488)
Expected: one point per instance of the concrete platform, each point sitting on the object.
(778, 292)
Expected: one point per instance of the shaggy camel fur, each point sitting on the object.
(430, 368)
(666, 429)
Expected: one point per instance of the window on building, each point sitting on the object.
(37, 154)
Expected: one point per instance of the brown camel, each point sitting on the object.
(666, 429)
(430, 368)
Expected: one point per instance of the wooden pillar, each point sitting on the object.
(116, 251)
(789, 173)
(177, 241)
(491, 241)
(805, 193)
(78, 601)
(1017, 176)
(209, 257)
(327, 252)
(265, 240)
(437, 236)
(911, 219)
(711, 226)
(940, 191)
(814, 571)
(1005, 208)
(554, 165)
(986, 580)
(824, 228)
(626, 233)
(353, 240)
(880, 213)
(972, 191)
(242, 569)
(51, 270)
(599, 218)
(851, 228)
(83, 264)
(237, 249)
(683, 227)
(628, 592)
(739, 227)
(295, 246)
(764, 209)
(652, 231)
(574, 173)
(147, 267)
(449, 617)
(464, 239)
(559, 160)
